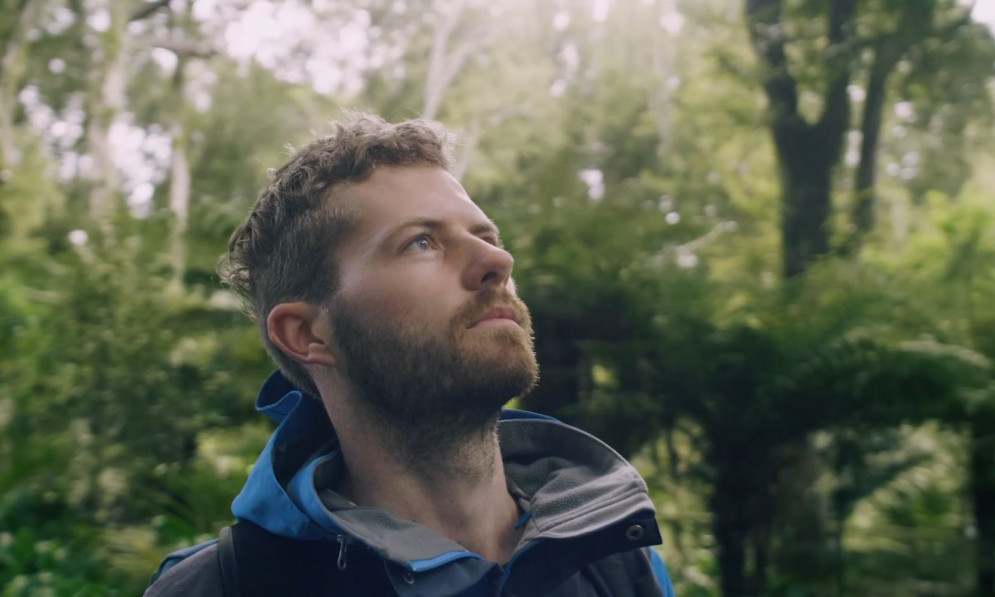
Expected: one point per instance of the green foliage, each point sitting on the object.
(111, 382)
(828, 427)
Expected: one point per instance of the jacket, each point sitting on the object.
(587, 511)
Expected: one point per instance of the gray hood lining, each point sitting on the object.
(574, 484)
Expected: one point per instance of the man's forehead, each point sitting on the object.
(392, 195)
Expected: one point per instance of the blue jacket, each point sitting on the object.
(583, 504)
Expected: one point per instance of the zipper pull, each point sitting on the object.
(343, 547)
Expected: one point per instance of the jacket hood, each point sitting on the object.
(570, 485)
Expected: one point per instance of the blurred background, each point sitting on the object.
(757, 237)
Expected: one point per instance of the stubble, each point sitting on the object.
(434, 395)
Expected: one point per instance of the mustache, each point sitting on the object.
(490, 299)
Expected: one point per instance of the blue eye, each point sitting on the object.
(422, 243)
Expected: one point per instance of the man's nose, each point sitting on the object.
(489, 266)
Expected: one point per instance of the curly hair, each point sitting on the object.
(285, 249)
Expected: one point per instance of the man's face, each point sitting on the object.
(426, 318)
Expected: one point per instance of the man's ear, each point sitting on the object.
(301, 331)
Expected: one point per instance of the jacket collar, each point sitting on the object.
(575, 486)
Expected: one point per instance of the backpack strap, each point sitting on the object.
(171, 560)
(228, 562)
(257, 563)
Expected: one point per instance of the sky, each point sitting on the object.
(984, 12)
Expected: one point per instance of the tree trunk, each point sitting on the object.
(761, 556)
(732, 557)
(179, 203)
(179, 180)
(743, 507)
(982, 483)
(107, 101)
(659, 93)
(11, 27)
(12, 67)
(865, 200)
(731, 531)
(442, 66)
(13, 59)
(807, 153)
(805, 213)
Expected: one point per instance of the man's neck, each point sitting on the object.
(457, 489)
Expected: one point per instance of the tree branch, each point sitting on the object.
(435, 84)
(863, 216)
(835, 116)
(12, 23)
(147, 9)
(766, 27)
(888, 51)
(186, 49)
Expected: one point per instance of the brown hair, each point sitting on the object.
(284, 251)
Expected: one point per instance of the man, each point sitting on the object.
(385, 296)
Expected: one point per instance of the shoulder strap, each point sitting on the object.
(257, 563)
(228, 562)
(171, 560)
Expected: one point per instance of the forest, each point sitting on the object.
(757, 238)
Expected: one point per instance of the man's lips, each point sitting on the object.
(497, 313)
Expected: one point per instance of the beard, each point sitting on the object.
(430, 388)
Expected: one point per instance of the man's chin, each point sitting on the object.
(514, 379)
(497, 378)
(511, 367)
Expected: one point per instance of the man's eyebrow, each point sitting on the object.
(423, 223)
(479, 229)
(487, 228)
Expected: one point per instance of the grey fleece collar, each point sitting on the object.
(572, 484)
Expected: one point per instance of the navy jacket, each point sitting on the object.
(584, 505)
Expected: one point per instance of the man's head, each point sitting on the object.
(285, 249)
(366, 257)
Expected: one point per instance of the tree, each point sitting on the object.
(625, 149)
(971, 248)
(807, 152)
(886, 34)
(11, 69)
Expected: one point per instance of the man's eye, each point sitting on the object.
(422, 243)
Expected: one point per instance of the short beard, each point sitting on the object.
(432, 395)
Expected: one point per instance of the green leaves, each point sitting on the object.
(626, 153)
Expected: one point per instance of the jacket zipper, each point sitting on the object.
(344, 541)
